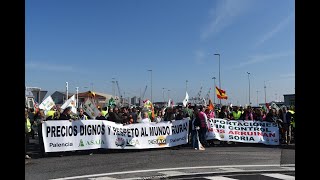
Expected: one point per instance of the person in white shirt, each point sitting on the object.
(145, 118)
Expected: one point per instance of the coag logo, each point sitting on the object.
(132, 142)
(161, 141)
(91, 142)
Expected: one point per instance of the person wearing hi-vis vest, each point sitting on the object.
(50, 114)
(27, 131)
(104, 111)
(236, 114)
(82, 116)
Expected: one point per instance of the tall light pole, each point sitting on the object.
(113, 88)
(163, 94)
(186, 85)
(219, 75)
(151, 84)
(77, 90)
(67, 86)
(214, 84)
(168, 94)
(249, 87)
(257, 98)
(265, 92)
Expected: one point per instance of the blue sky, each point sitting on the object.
(90, 42)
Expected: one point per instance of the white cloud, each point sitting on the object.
(262, 58)
(283, 23)
(222, 15)
(49, 67)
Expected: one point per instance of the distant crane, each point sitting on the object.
(208, 95)
(198, 99)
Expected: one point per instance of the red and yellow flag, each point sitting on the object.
(221, 94)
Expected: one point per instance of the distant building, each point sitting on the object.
(289, 99)
(37, 93)
(134, 100)
(59, 97)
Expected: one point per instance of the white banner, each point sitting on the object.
(47, 104)
(90, 108)
(243, 131)
(92, 134)
(70, 102)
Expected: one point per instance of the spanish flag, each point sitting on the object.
(221, 94)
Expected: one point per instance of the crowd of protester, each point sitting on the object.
(198, 116)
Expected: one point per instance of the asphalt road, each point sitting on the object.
(106, 162)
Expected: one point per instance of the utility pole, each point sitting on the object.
(77, 103)
(249, 88)
(67, 91)
(163, 94)
(186, 85)
(151, 84)
(214, 92)
(257, 98)
(265, 92)
(219, 75)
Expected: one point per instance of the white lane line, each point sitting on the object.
(280, 176)
(218, 178)
(286, 165)
(231, 169)
(173, 173)
(165, 169)
(104, 178)
(288, 168)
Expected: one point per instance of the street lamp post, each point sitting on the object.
(151, 84)
(168, 94)
(214, 84)
(113, 88)
(257, 98)
(249, 87)
(163, 94)
(186, 85)
(265, 92)
(67, 86)
(219, 75)
(77, 90)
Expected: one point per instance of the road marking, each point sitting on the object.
(289, 168)
(165, 169)
(219, 178)
(104, 178)
(173, 173)
(280, 176)
(286, 165)
(231, 169)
